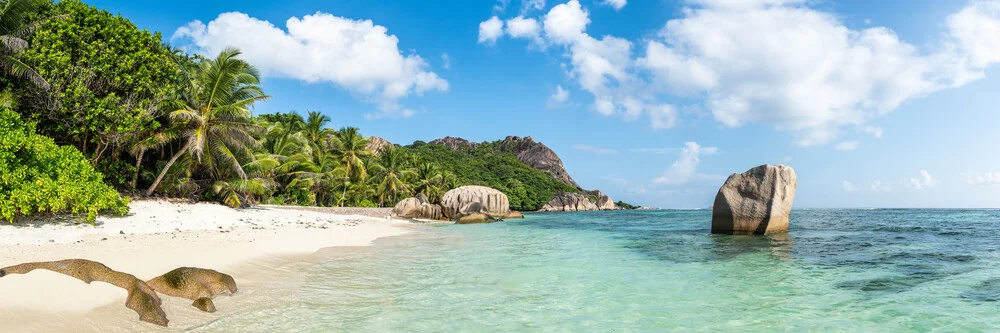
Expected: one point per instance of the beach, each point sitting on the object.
(154, 238)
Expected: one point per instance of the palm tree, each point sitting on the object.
(315, 129)
(349, 145)
(392, 171)
(213, 115)
(428, 181)
(13, 30)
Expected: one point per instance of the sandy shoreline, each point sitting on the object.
(157, 237)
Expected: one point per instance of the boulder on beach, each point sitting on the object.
(193, 283)
(204, 304)
(755, 202)
(141, 297)
(418, 208)
(568, 202)
(492, 202)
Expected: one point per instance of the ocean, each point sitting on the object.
(837, 270)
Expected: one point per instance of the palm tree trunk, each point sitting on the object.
(138, 164)
(343, 197)
(159, 178)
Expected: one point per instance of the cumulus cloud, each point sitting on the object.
(558, 98)
(356, 55)
(988, 178)
(685, 169)
(847, 146)
(525, 28)
(925, 181)
(528, 6)
(490, 30)
(595, 150)
(779, 63)
(849, 187)
(616, 4)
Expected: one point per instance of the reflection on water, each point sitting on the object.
(837, 270)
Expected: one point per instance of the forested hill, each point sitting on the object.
(496, 165)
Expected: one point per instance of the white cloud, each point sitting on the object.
(874, 130)
(925, 181)
(616, 4)
(490, 30)
(988, 178)
(684, 170)
(774, 62)
(445, 61)
(525, 28)
(357, 55)
(595, 150)
(847, 146)
(528, 6)
(558, 98)
(849, 187)
(663, 116)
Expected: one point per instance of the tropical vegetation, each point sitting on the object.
(94, 110)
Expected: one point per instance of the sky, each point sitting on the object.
(655, 102)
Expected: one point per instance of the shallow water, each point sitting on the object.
(651, 271)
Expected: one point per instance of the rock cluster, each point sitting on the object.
(197, 284)
(756, 202)
(605, 203)
(377, 144)
(455, 143)
(568, 202)
(466, 204)
(538, 156)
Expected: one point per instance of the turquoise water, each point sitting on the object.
(654, 271)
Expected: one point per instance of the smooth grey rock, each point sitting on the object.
(493, 201)
(568, 202)
(605, 203)
(756, 202)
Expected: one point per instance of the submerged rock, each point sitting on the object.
(476, 218)
(193, 283)
(568, 202)
(756, 202)
(204, 304)
(492, 202)
(141, 297)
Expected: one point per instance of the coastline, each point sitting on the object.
(156, 237)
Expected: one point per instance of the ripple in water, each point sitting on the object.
(641, 271)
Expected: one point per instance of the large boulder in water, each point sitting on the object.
(568, 202)
(755, 202)
(605, 203)
(493, 202)
(141, 297)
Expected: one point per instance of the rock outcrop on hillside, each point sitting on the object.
(756, 202)
(455, 143)
(538, 156)
(568, 202)
(377, 144)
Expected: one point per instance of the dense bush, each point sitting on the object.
(527, 188)
(37, 176)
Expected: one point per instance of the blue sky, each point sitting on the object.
(874, 103)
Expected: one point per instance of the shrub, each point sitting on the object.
(37, 176)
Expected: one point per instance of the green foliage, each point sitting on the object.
(106, 79)
(624, 205)
(526, 188)
(37, 176)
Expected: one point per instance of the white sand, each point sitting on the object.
(156, 237)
